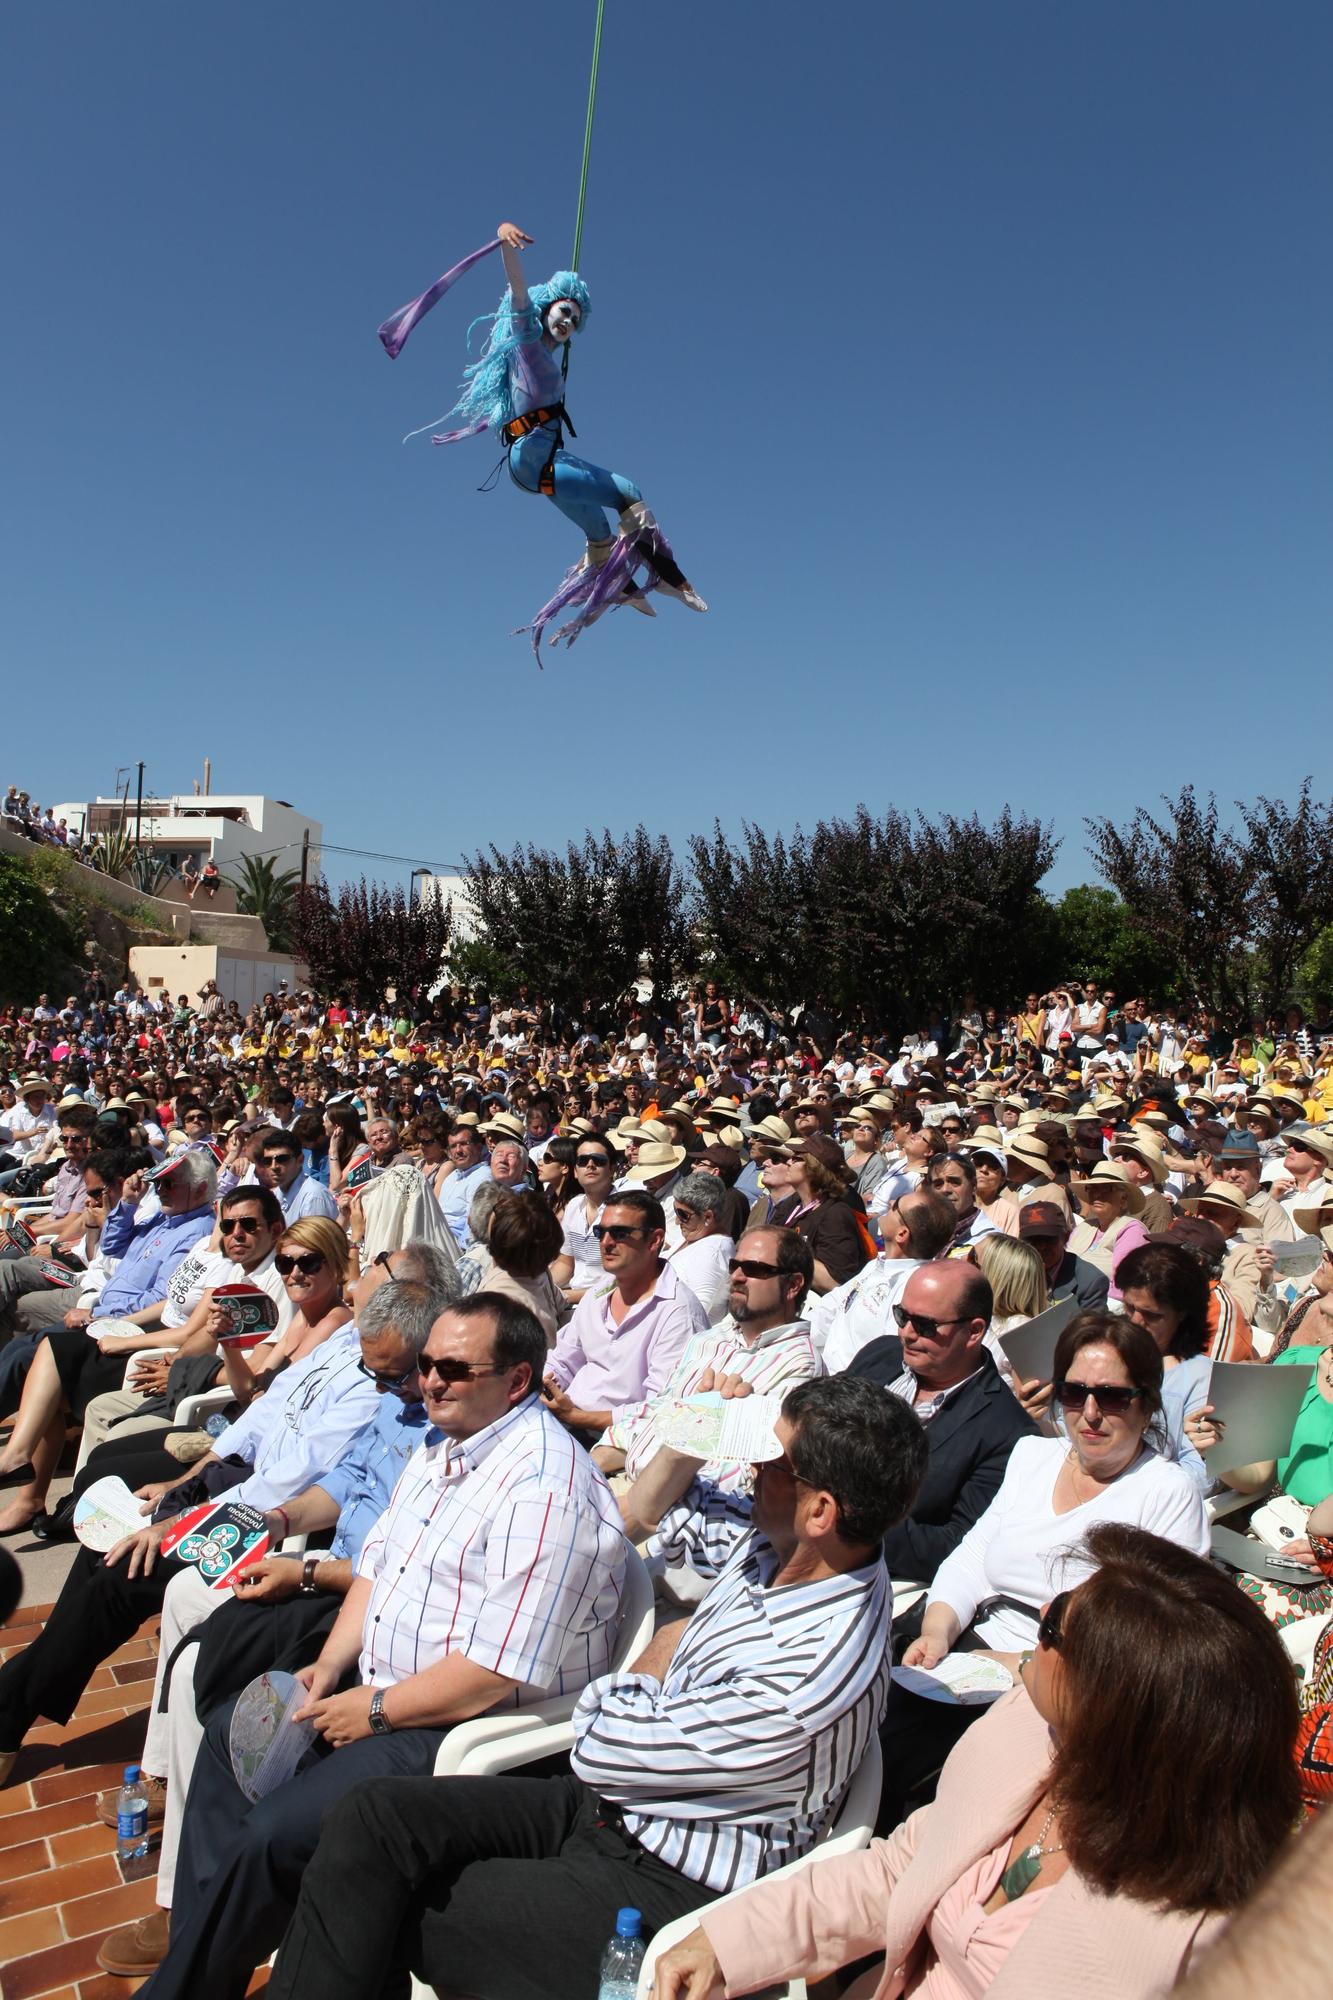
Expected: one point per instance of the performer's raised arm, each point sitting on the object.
(512, 242)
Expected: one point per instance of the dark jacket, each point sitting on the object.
(970, 1442)
(1077, 1279)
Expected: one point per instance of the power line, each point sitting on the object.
(361, 853)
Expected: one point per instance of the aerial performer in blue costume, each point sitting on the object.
(516, 387)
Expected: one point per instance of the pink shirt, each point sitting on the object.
(969, 1948)
(603, 1366)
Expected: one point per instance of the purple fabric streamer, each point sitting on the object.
(398, 325)
(593, 591)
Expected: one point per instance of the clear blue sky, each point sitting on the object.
(975, 356)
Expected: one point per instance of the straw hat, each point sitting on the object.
(1029, 1152)
(504, 1125)
(649, 1131)
(1148, 1148)
(656, 1158)
(1315, 1138)
(772, 1131)
(1106, 1174)
(29, 1085)
(1221, 1194)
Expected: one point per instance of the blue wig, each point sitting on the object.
(485, 396)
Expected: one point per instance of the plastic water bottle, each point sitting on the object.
(132, 1817)
(622, 1961)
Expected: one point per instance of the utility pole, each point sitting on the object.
(138, 810)
(305, 857)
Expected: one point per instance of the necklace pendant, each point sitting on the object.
(1020, 1874)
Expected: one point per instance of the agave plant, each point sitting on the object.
(114, 852)
(147, 872)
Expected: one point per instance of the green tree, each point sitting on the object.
(882, 916)
(1187, 880)
(574, 924)
(369, 938)
(37, 945)
(1094, 936)
(263, 892)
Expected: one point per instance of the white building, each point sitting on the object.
(449, 888)
(222, 827)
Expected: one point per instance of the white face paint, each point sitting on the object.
(562, 319)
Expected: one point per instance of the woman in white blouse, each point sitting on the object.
(989, 1592)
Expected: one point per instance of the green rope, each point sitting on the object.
(587, 134)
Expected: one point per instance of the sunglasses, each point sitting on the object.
(1050, 1632)
(247, 1224)
(454, 1371)
(94, 1194)
(277, 1159)
(389, 1381)
(308, 1262)
(592, 1160)
(619, 1232)
(750, 1267)
(929, 1329)
(1111, 1398)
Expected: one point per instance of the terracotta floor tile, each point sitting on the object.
(134, 1670)
(114, 1906)
(25, 1859)
(102, 1678)
(58, 1818)
(104, 1986)
(45, 1971)
(15, 1799)
(35, 1930)
(110, 1698)
(76, 1783)
(59, 1885)
(143, 1646)
(81, 1842)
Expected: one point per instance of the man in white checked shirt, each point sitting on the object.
(762, 1341)
(494, 1578)
(720, 1754)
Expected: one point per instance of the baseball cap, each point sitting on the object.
(1041, 1218)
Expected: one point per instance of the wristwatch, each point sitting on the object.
(380, 1724)
(308, 1568)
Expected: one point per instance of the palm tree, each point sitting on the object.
(264, 893)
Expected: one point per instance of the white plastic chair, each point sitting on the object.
(849, 1833)
(490, 1744)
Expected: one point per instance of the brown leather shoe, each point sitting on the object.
(135, 1950)
(156, 1788)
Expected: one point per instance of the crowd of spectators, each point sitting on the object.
(503, 1243)
(24, 815)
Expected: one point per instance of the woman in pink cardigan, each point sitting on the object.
(1088, 1838)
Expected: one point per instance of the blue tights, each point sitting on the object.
(582, 491)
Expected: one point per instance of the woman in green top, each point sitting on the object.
(1304, 1471)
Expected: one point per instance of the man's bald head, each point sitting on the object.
(948, 1306)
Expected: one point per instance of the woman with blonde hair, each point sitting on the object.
(1017, 1279)
(313, 1258)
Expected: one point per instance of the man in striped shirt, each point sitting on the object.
(720, 1754)
(494, 1578)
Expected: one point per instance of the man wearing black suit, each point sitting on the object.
(939, 1365)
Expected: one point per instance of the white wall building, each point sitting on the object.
(450, 888)
(222, 827)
